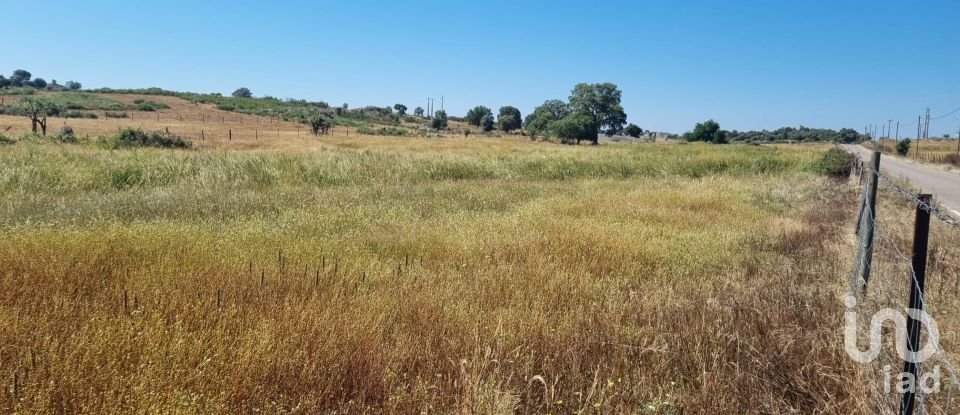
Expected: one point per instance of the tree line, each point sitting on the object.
(710, 131)
(22, 78)
(591, 110)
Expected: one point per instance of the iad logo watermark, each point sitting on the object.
(929, 382)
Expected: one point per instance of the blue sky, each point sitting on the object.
(746, 64)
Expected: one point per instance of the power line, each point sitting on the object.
(946, 115)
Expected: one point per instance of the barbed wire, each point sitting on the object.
(913, 197)
(868, 218)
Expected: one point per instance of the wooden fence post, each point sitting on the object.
(860, 173)
(918, 260)
(229, 135)
(865, 225)
(202, 137)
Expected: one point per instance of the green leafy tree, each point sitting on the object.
(903, 147)
(573, 128)
(39, 83)
(486, 123)
(599, 104)
(401, 109)
(708, 131)
(4, 82)
(540, 120)
(20, 77)
(37, 110)
(849, 135)
(476, 114)
(633, 130)
(319, 124)
(439, 121)
(509, 118)
(418, 111)
(242, 92)
(73, 85)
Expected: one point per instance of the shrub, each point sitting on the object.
(131, 137)
(394, 131)
(4, 140)
(110, 114)
(65, 135)
(226, 107)
(835, 163)
(144, 105)
(953, 159)
(79, 114)
(903, 147)
(366, 130)
(19, 91)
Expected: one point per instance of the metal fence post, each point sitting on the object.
(866, 222)
(918, 260)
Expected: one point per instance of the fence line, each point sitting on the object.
(875, 272)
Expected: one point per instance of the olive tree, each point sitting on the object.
(509, 118)
(37, 110)
(20, 77)
(439, 121)
(539, 121)
(475, 115)
(242, 92)
(486, 123)
(708, 131)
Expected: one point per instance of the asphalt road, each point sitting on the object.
(945, 186)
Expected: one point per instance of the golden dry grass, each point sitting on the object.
(203, 124)
(401, 275)
(944, 152)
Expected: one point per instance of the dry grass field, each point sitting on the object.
(203, 124)
(348, 274)
(944, 152)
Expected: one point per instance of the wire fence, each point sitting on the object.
(886, 279)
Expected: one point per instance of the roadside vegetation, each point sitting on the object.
(936, 151)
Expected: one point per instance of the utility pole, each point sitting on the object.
(888, 128)
(958, 142)
(926, 126)
(916, 151)
(883, 145)
(897, 139)
(441, 102)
